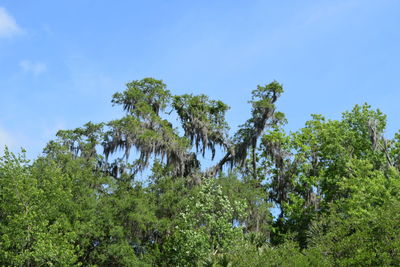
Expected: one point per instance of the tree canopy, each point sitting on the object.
(324, 195)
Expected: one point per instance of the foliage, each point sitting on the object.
(205, 229)
(132, 191)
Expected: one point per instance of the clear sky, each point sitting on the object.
(60, 61)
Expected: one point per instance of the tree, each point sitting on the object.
(32, 226)
(205, 229)
(132, 191)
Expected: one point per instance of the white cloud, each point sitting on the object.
(8, 26)
(50, 131)
(34, 67)
(6, 139)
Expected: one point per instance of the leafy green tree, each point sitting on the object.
(205, 229)
(33, 230)
(308, 169)
(132, 191)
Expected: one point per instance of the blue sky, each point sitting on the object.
(60, 61)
